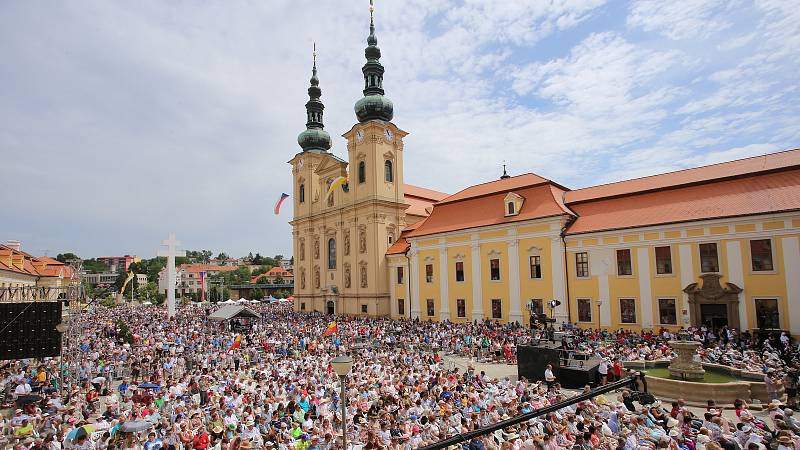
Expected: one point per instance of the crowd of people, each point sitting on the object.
(193, 383)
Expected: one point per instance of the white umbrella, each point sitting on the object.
(254, 301)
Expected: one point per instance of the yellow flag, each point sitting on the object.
(336, 183)
(127, 280)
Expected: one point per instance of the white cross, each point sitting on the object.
(171, 252)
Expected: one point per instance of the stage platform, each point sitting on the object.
(571, 372)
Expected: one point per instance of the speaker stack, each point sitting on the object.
(28, 329)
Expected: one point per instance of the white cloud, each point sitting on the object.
(682, 19)
(125, 121)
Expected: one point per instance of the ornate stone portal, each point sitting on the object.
(683, 366)
(712, 299)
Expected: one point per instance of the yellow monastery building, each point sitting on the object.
(716, 245)
(43, 278)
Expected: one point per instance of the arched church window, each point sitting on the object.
(302, 193)
(331, 253)
(362, 172)
(511, 208)
(388, 174)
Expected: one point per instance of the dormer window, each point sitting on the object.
(512, 204)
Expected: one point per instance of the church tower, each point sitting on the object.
(341, 235)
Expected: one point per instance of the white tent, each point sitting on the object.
(229, 302)
(147, 303)
(254, 301)
(242, 300)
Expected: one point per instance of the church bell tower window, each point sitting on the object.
(302, 195)
(388, 173)
(362, 172)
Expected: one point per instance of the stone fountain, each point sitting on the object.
(684, 366)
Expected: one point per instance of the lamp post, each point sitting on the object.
(599, 304)
(61, 328)
(342, 365)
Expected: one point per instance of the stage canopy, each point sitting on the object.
(229, 312)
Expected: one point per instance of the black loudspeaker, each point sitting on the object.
(532, 361)
(28, 330)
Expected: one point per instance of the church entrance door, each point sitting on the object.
(714, 315)
(712, 303)
(331, 308)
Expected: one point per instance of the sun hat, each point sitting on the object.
(672, 422)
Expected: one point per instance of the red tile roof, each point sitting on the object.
(38, 266)
(747, 166)
(484, 205)
(423, 193)
(757, 194)
(400, 246)
(196, 268)
(420, 200)
(491, 187)
(758, 185)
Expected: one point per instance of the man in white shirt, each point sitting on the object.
(549, 378)
(603, 371)
(22, 389)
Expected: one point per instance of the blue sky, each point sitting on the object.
(123, 121)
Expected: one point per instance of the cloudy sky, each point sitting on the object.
(123, 121)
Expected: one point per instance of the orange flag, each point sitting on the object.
(330, 330)
(237, 343)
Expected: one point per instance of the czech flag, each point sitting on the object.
(283, 198)
(237, 343)
(330, 330)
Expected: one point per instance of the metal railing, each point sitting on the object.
(628, 382)
(39, 293)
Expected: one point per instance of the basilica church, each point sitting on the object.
(715, 245)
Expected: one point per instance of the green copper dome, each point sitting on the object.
(374, 105)
(314, 138)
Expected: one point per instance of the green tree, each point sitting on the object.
(148, 292)
(282, 293)
(222, 256)
(124, 332)
(278, 280)
(259, 270)
(94, 266)
(257, 260)
(256, 294)
(199, 256)
(66, 258)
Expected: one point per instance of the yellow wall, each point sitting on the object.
(770, 284)
(603, 282)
